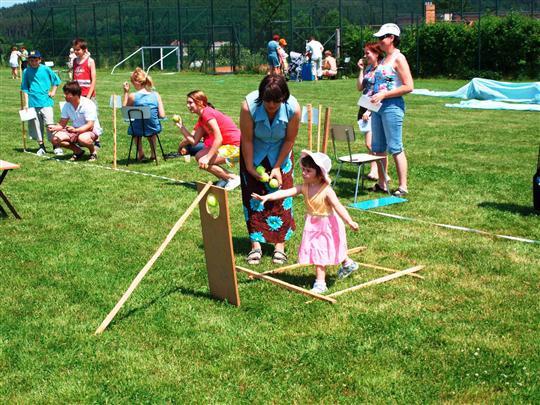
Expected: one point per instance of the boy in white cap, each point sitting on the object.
(324, 242)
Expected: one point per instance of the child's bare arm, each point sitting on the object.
(278, 195)
(340, 209)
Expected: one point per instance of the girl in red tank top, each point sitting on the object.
(84, 69)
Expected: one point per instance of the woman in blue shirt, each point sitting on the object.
(273, 57)
(269, 123)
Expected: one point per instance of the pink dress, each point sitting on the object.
(324, 241)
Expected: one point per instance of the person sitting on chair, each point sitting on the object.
(144, 97)
(329, 67)
(84, 128)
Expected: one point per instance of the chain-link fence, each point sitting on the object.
(215, 35)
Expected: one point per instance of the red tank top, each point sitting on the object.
(81, 73)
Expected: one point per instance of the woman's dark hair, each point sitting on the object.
(273, 88)
(307, 161)
(72, 88)
(396, 41)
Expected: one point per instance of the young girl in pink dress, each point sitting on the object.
(324, 242)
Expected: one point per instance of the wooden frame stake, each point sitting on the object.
(151, 262)
(327, 113)
(319, 129)
(114, 131)
(309, 108)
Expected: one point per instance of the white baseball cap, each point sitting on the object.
(322, 160)
(389, 28)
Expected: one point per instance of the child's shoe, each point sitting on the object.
(41, 152)
(346, 269)
(319, 287)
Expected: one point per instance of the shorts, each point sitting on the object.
(387, 127)
(13, 65)
(273, 61)
(45, 117)
(74, 137)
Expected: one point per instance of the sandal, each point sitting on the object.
(400, 192)
(378, 189)
(279, 257)
(76, 156)
(254, 256)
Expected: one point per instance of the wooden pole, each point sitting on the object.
(151, 262)
(327, 113)
(22, 123)
(297, 265)
(310, 126)
(114, 130)
(319, 129)
(288, 286)
(388, 270)
(378, 280)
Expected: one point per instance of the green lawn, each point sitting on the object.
(468, 332)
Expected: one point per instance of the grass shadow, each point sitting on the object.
(513, 208)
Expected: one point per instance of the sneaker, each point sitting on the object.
(400, 192)
(347, 269)
(41, 152)
(221, 183)
(232, 183)
(58, 151)
(93, 157)
(97, 144)
(319, 287)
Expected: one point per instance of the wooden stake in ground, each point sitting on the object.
(22, 122)
(319, 129)
(327, 113)
(309, 108)
(114, 130)
(151, 262)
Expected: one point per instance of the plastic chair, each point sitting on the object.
(345, 133)
(130, 114)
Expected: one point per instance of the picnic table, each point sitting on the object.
(5, 167)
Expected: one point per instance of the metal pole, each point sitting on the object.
(291, 25)
(250, 24)
(340, 18)
(212, 35)
(479, 34)
(76, 23)
(95, 34)
(107, 29)
(32, 21)
(180, 52)
(121, 30)
(417, 47)
(497, 8)
(160, 58)
(53, 33)
(462, 1)
(382, 12)
(532, 8)
(148, 22)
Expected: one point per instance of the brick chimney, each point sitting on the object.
(429, 12)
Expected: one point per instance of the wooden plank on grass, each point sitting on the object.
(286, 285)
(388, 270)
(378, 281)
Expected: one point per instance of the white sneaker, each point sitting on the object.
(58, 151)
(232, 183)
(41, 152)
(319, 287)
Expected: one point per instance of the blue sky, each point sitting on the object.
(9, 3)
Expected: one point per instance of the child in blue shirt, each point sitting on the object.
(39, 84)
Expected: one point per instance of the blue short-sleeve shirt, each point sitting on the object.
(37, 83)
(268, 137)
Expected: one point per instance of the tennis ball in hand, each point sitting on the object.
(265, 177)
(176, 118)
(211, 201)
(274, 183)
(261, 170)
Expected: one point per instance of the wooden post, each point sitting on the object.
(286, 285)
(327, 113)
(151, 262)
(114, 130)
(319, 129)
(310, 126)
(378, 280)
(22, 123)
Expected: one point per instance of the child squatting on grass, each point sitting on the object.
(324, 242)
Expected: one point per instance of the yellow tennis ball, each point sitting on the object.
(274, 183)
(176, 118)
(211, 201)
(265, 177)
(261, 170)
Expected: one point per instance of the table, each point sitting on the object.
(5, 167)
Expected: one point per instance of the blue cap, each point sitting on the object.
(34, 54)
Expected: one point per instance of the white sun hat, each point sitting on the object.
(322, 160)
(389, 28)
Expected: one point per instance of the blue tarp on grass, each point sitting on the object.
(491, 94)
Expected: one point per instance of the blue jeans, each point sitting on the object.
(194, 149)
(387, 126)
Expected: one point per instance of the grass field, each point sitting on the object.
(468, 332)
